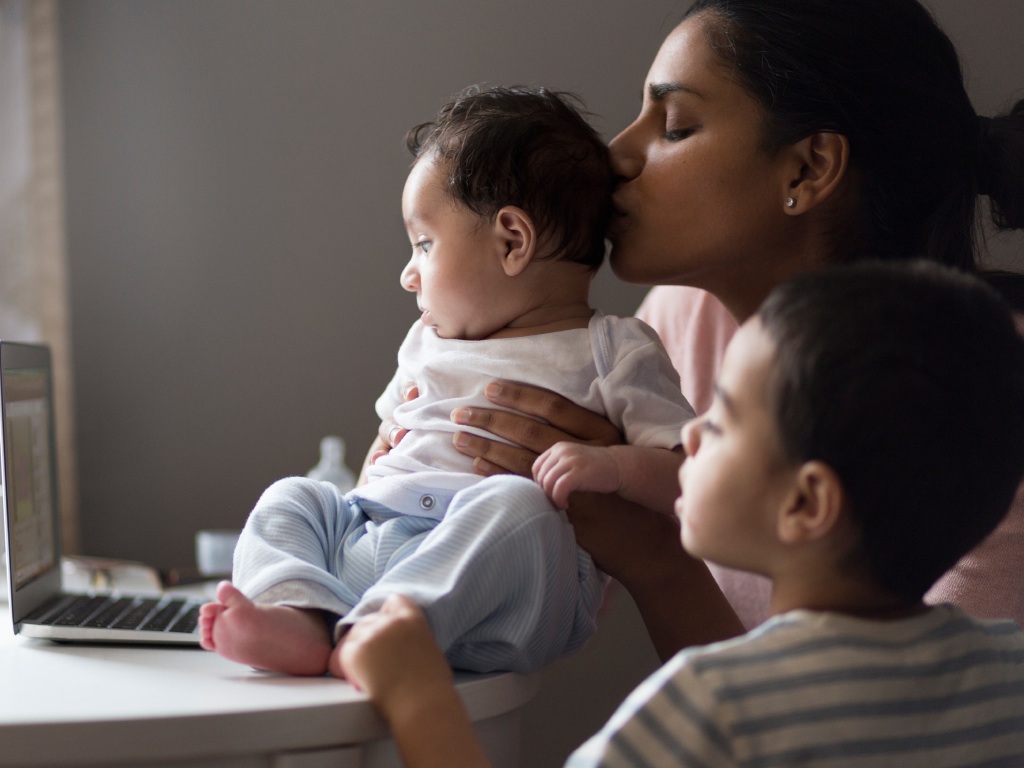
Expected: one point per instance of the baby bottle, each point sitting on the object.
(332, 464)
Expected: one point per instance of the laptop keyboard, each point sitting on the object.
(153, 614)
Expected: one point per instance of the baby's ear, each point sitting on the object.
(814, 508)
(517, 238)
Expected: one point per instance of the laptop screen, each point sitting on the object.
(28, 463)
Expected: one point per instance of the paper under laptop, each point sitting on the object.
(39, 605)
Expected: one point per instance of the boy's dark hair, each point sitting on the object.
(531, 148)
(908, 381)
(883, 74)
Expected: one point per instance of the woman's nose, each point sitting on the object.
(627, 160)
(410, 278)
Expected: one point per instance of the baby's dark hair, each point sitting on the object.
(908, 381)
(531, 148)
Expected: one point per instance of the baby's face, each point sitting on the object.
(735, 477)
(455, 269)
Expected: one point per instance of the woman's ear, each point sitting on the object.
(517, 238)
(820, 165)
(814, 507)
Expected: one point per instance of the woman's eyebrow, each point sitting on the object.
(658, 91)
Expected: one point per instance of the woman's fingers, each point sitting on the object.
(494, 458)
(567, 419)
(390, 432)
(524, 428)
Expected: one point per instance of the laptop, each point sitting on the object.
(39, 605)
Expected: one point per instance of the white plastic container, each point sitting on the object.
(332, 466)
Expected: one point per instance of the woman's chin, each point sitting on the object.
(630, 269)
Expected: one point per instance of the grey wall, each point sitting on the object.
(234, 172)
(234, 175)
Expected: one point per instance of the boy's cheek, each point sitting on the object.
(689, 538)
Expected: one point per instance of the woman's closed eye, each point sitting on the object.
(678, 134)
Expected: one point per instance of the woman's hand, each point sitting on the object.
(524, 427)
(389, 434)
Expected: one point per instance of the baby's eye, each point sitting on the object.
(423, 245)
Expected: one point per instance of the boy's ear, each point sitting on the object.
(820, 164)
(517, 238)
(814, 507)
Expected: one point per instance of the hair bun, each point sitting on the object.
(981, 154)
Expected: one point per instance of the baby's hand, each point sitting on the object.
(393, 657)
(567, 467)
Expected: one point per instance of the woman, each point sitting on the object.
(755, 158)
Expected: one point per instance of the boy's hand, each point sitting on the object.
(393, 657)
(568, 467)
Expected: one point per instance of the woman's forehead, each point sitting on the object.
(686, 61)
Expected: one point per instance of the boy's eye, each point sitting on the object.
(708, 427)
(423, 245)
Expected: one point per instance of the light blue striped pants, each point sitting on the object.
(501, 580)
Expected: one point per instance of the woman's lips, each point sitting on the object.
(618, 222)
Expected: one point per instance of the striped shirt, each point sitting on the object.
(823, 689)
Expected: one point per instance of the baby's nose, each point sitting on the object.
(409, 278)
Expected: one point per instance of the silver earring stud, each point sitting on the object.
(790, 202)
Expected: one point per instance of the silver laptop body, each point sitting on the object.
(39, 605)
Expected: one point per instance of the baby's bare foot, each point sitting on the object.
(277, 638)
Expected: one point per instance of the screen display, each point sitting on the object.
(28, 471)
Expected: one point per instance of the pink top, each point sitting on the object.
(988, 582)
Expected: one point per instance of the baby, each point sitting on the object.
(506, 207)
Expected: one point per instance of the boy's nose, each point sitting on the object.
(691, 437)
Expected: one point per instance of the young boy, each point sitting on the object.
(506, 206)
(867, 430)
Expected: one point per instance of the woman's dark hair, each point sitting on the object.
(531, 148)
(908, 381)
(882, 73)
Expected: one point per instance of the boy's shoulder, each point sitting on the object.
(810, 683)
(810, 646)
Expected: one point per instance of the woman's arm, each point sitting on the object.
(677, 596)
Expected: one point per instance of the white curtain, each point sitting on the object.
(33, 267)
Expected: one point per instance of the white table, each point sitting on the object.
(75, 705)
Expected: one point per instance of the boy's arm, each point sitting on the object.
(393, 657)
(646, 476)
